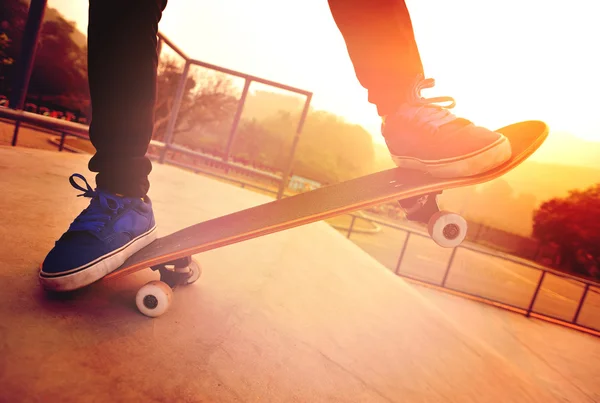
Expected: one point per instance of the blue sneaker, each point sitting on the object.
(101, 238)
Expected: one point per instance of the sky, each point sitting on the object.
(502, 61)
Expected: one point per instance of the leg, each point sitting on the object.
(122, 65)
(381, 44)
(119, 221)
(420, 133)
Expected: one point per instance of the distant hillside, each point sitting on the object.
(52, 14)
(77, 36)
(263, 104)
(566, 149)
(547, 181)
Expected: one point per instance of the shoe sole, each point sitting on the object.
(90, 272)
(467, 165)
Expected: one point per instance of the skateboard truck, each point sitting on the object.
(445, 228)
(154, 298)
(176, 272)
(420, 208)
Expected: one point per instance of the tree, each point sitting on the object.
(330, 149)
(5, 60)
(573, 224)
(59, 77)
(207, 108)
(13, 14)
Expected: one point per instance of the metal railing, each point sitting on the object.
(64, 129)
(25, 64)
(248, 80)
(528, 310)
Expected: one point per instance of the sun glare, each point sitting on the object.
(502, 61)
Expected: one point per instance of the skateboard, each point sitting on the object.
(416, 192)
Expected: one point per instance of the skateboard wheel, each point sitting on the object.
(154, 298)
(447, 229)
(195, 272)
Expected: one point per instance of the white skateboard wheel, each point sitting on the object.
(154, 298)
(195, 272)
(447, 229)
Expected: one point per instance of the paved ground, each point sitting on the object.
(299, 316)
(481, 274)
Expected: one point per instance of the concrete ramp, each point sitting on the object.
(298, 316)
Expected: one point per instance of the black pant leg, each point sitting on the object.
(122, 68)
(382, 47)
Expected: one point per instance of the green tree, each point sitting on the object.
(59, 77)
(13, 14)
(330, 149)
(5, 60)
(573, 224)
(207, 108)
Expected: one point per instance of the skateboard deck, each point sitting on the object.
(322, 203)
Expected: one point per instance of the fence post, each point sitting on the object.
(351, 227)
(26, 58)
(581, 301)
(175, 111)
(288, 171)
(236, 122)
(448, 267)
(402, 253)
(61, 145)
(16, 133)
(535, 293)
(159, 46)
